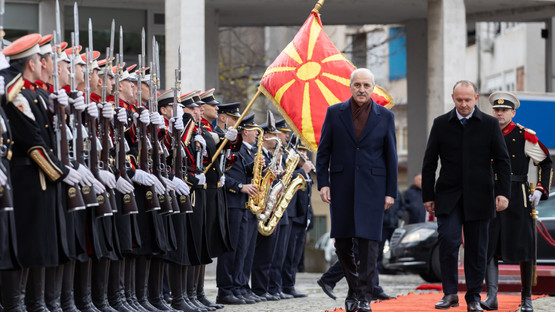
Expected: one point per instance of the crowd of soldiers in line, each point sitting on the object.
(108, 186)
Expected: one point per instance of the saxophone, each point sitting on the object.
(268, 226)
(266, 185)
(252, 202)
(273, 212)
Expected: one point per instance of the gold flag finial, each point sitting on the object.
(318, 6)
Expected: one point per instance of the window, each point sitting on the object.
(397, 53)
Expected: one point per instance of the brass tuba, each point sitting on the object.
(252, 202)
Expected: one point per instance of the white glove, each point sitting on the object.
(200, 139)
(222, 180)
(78, 102)
(123, 186)
(98, 187)
(92, 109)
(87, 178)
(157, 120)
(107, 178)
(107, 110)
(169, 184)
(201, 178)
(181, 187)
(2, 84)
(231, 134)
(158, 186)
(144, 117)
(535, 198)
(3, 176)
(72, 177)
(122, 115)
(143, 177)
(176, 123)
(61, 96)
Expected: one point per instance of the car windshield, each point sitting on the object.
(546, 209)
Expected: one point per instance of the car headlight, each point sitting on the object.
(417, 236)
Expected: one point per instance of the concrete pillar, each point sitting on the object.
(212, 40)
(185, 25)
(417, 86)
(446, 53)
(549, 51)
(47, 20)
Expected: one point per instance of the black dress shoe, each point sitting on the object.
(351, 305)
(251, 297)
(328, 290)
(247, 300)
(229, 299)
(474, 306)
(294, 293)
(209, 303)
(283, 295)
(448, 301)
(269, 297)
(363, 306)
(382, 296)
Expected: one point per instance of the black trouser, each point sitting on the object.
(335, 273)
(475, 252)
(361, 282)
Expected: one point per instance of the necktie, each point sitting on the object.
(463, 121)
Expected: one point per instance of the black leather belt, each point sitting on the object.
(21, 161)
(519, 178)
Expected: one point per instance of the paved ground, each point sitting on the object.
(317, 301)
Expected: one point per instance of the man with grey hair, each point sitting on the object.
(357, 175)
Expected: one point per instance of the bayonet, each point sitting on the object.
(112, 34)
(91, 49)
(76, 23)
(121, 46)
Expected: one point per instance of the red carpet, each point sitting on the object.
(425, 302)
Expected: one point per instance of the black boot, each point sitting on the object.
(192, 282)
(11, 290)
(492, 280)
(82, 287)
(200, 292)
(129, 282)
(67, 300)
(100, 270)
(115, 295)
(53, 288)
(175, 274)
(34, 294)
(155, 279)
(526, 276)
(142, 273)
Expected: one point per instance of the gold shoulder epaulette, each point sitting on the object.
(13, 87)
(526, 129)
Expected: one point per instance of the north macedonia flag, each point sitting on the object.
(309, 75)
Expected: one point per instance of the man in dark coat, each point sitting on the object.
(357, 174)
(471, 148)
(511, 232)
(413, 201)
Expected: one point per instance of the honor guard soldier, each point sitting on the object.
(300, 215)
(10, 269)
(266, 245)
(196, 235)
(511, 233)
(238, 188)
(36, 172)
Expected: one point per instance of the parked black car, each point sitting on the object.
(414, 248)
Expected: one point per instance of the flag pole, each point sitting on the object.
(221, 147)
(318, 6)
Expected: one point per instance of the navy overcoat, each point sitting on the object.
(359, 171)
